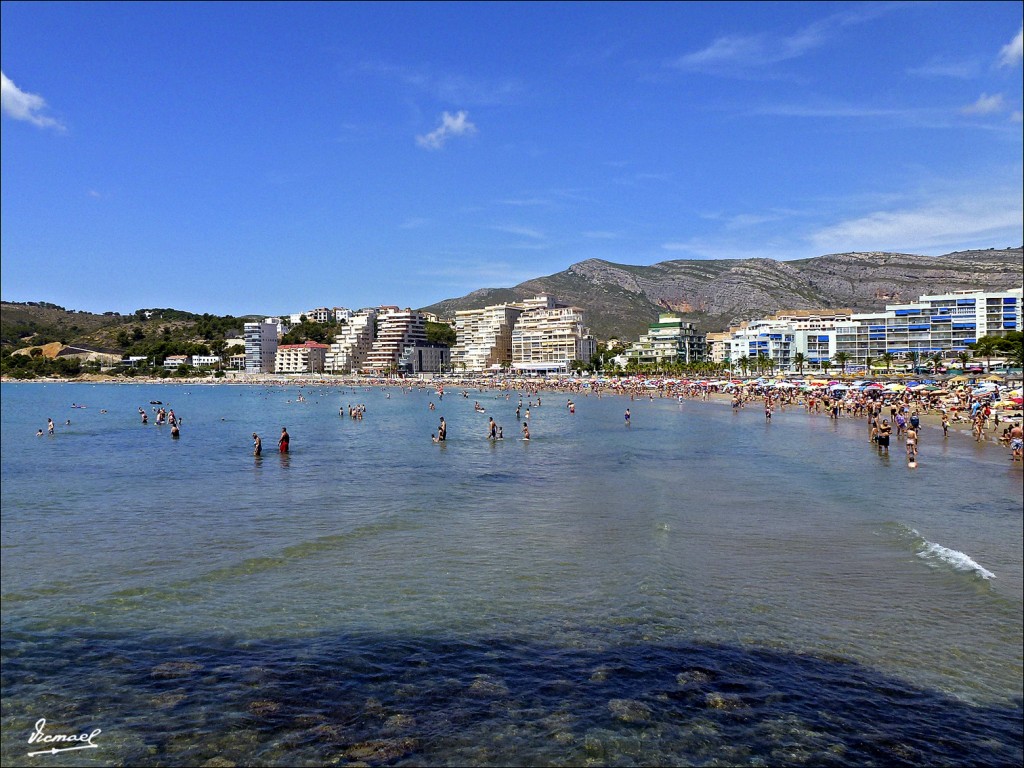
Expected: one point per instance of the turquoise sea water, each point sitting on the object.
(697, 588)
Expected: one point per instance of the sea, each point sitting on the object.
(698, 587)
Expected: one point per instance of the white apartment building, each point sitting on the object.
(318, 315)
(198, 360)
(300, 358)
(484, 337)
(353, 343)
(943, 323)
(668, 341)
(396, 330)
(547, 338)
(940, 323)
(261, 345)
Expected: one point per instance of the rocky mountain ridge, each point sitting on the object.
(620, 300)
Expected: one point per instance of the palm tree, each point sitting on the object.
(887, 358)
(825, 365)
(964, 358)
(985, 346)
(799, 360)
(744, 363)
(936, 361)
(841, 359)
(913, 357)
(761, 358)
(868, 362)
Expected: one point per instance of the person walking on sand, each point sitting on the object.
(282, 444)
(257, 445)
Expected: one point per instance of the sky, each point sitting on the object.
(265, 158)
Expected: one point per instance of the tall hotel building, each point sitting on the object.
(260, 345)
(484, 337)
(352, 345)
(548, 337)
(396, 330)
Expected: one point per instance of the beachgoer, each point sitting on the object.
(174, 431)
(501, 435)
(39, 433)
(492, 428)
(1017, 443)
(945, 425)
(49, 426)
(884, 431)
(282, 443)
(911, 445)
(627, 417)
(526, 431)
(257, 445)
(442, 431)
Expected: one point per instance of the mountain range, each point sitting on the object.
(620, 300)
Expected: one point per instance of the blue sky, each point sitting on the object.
(267, 158)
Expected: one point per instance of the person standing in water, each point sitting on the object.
(282, 444)
(526, 431)
(442, 431)
(257, 445)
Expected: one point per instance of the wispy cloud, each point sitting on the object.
(932, 224)
(959, 70)
(512, 229)
(985, 105)
(20, 105)
(451, 125)
(525, 202)
(447, 87)
(414, 223)
(749, 55)
(1013, 52)
(601, 235)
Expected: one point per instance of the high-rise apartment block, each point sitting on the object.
(396, 330)
(352, 344)
(484, 337)
(260, 345)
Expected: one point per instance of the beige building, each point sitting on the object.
(352, 345)
(300, 358)
(396, 330)
(549, 337)
(484, 337)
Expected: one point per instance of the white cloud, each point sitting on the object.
(1013, 51)
(985, 105)
(533, 234)
(451, 125)
(929, 225)
(24, 106)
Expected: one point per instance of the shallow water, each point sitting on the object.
(697, 588)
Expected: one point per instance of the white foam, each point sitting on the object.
(958, 560)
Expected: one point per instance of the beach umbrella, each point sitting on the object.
(895, 387)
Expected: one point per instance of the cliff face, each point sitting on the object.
(621, 300)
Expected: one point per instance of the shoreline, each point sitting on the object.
(930, 421)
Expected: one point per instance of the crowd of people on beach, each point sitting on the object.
(891, 413)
